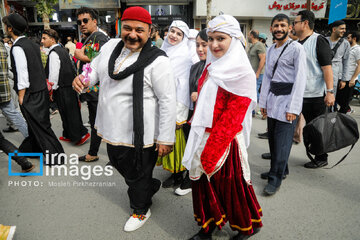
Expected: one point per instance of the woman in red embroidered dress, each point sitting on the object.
(216, 154)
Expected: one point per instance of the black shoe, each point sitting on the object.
(83, 159)
(10, 129)
(202, 236)
(174, 180)
(265, 175)
(270, 190)
(264, 135)
(266, 156)
(316, 164)
(243, 237)
(27, 166)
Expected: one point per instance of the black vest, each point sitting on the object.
(35, 69)
(67, 72)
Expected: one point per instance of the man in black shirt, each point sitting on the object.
(87, 21)
(319, 74)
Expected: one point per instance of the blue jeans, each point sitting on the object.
(280, 143)
(9, 111)
(258, 85)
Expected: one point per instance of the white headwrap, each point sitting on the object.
(180, 59)
(192, 45)
(231, 72)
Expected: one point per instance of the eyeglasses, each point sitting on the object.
(295, 22)
(85, 21)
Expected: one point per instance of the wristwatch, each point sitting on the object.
(330, 91)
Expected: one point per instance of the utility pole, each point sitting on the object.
(308, 5)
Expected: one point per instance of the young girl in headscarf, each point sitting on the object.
(216, 154)
(176, 47)
(201, 41)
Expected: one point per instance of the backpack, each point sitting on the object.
(330, 132)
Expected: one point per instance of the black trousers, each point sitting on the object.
(343, 97)
(141, 185)
(280, 143)
(312, 108)
(35, 109)
(8, 147)
(95, 140)
(68, 104)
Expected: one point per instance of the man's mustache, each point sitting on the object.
(132, 40)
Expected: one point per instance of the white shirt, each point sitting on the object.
(114, 117)
(354, 57)
(54, 67)
(21, 66)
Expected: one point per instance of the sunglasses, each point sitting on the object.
(85, 21)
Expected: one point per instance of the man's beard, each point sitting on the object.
(282, 38)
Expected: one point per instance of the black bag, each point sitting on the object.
(334, 50)
(330, 132)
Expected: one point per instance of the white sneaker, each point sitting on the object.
(136, 221)
(182, 192)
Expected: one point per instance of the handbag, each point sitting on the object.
(330, 132)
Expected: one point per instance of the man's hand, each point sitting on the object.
(194, 96)
(257, 75)
(290, 116)
(263, 112)
(342, 84)
(352, 83)
(163, 150)
(329, 99)
(78, 85)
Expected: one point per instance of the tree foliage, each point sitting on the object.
(45, 8)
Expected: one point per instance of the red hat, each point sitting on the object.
(138, 14)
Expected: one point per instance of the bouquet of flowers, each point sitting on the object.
(91, 51)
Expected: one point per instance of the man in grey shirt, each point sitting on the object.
(257, 57)
(353, 70)
(340, 58)
(281, 98)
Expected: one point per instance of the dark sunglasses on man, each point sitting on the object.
(85, 21)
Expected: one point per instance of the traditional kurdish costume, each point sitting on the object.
(60, 72)
(136, 111)
(29, 75)
(181, 62)
(216, 154)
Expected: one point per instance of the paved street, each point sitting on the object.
(311, 204)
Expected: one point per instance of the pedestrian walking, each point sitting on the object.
(137, 108)
(281, 98)
(216, 154)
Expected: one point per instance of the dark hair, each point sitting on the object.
(355, 35)
(52, 33)
(280, 17)
(254, 34)
(202, 34)
(336, 24)
(93, 12)
(309, 16)
(6, 21)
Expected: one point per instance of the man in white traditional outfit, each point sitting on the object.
(136, 113)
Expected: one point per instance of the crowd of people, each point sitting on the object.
(185, 102)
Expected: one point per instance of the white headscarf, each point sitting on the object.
(231, 72)
(180, 59)
(192, 45)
